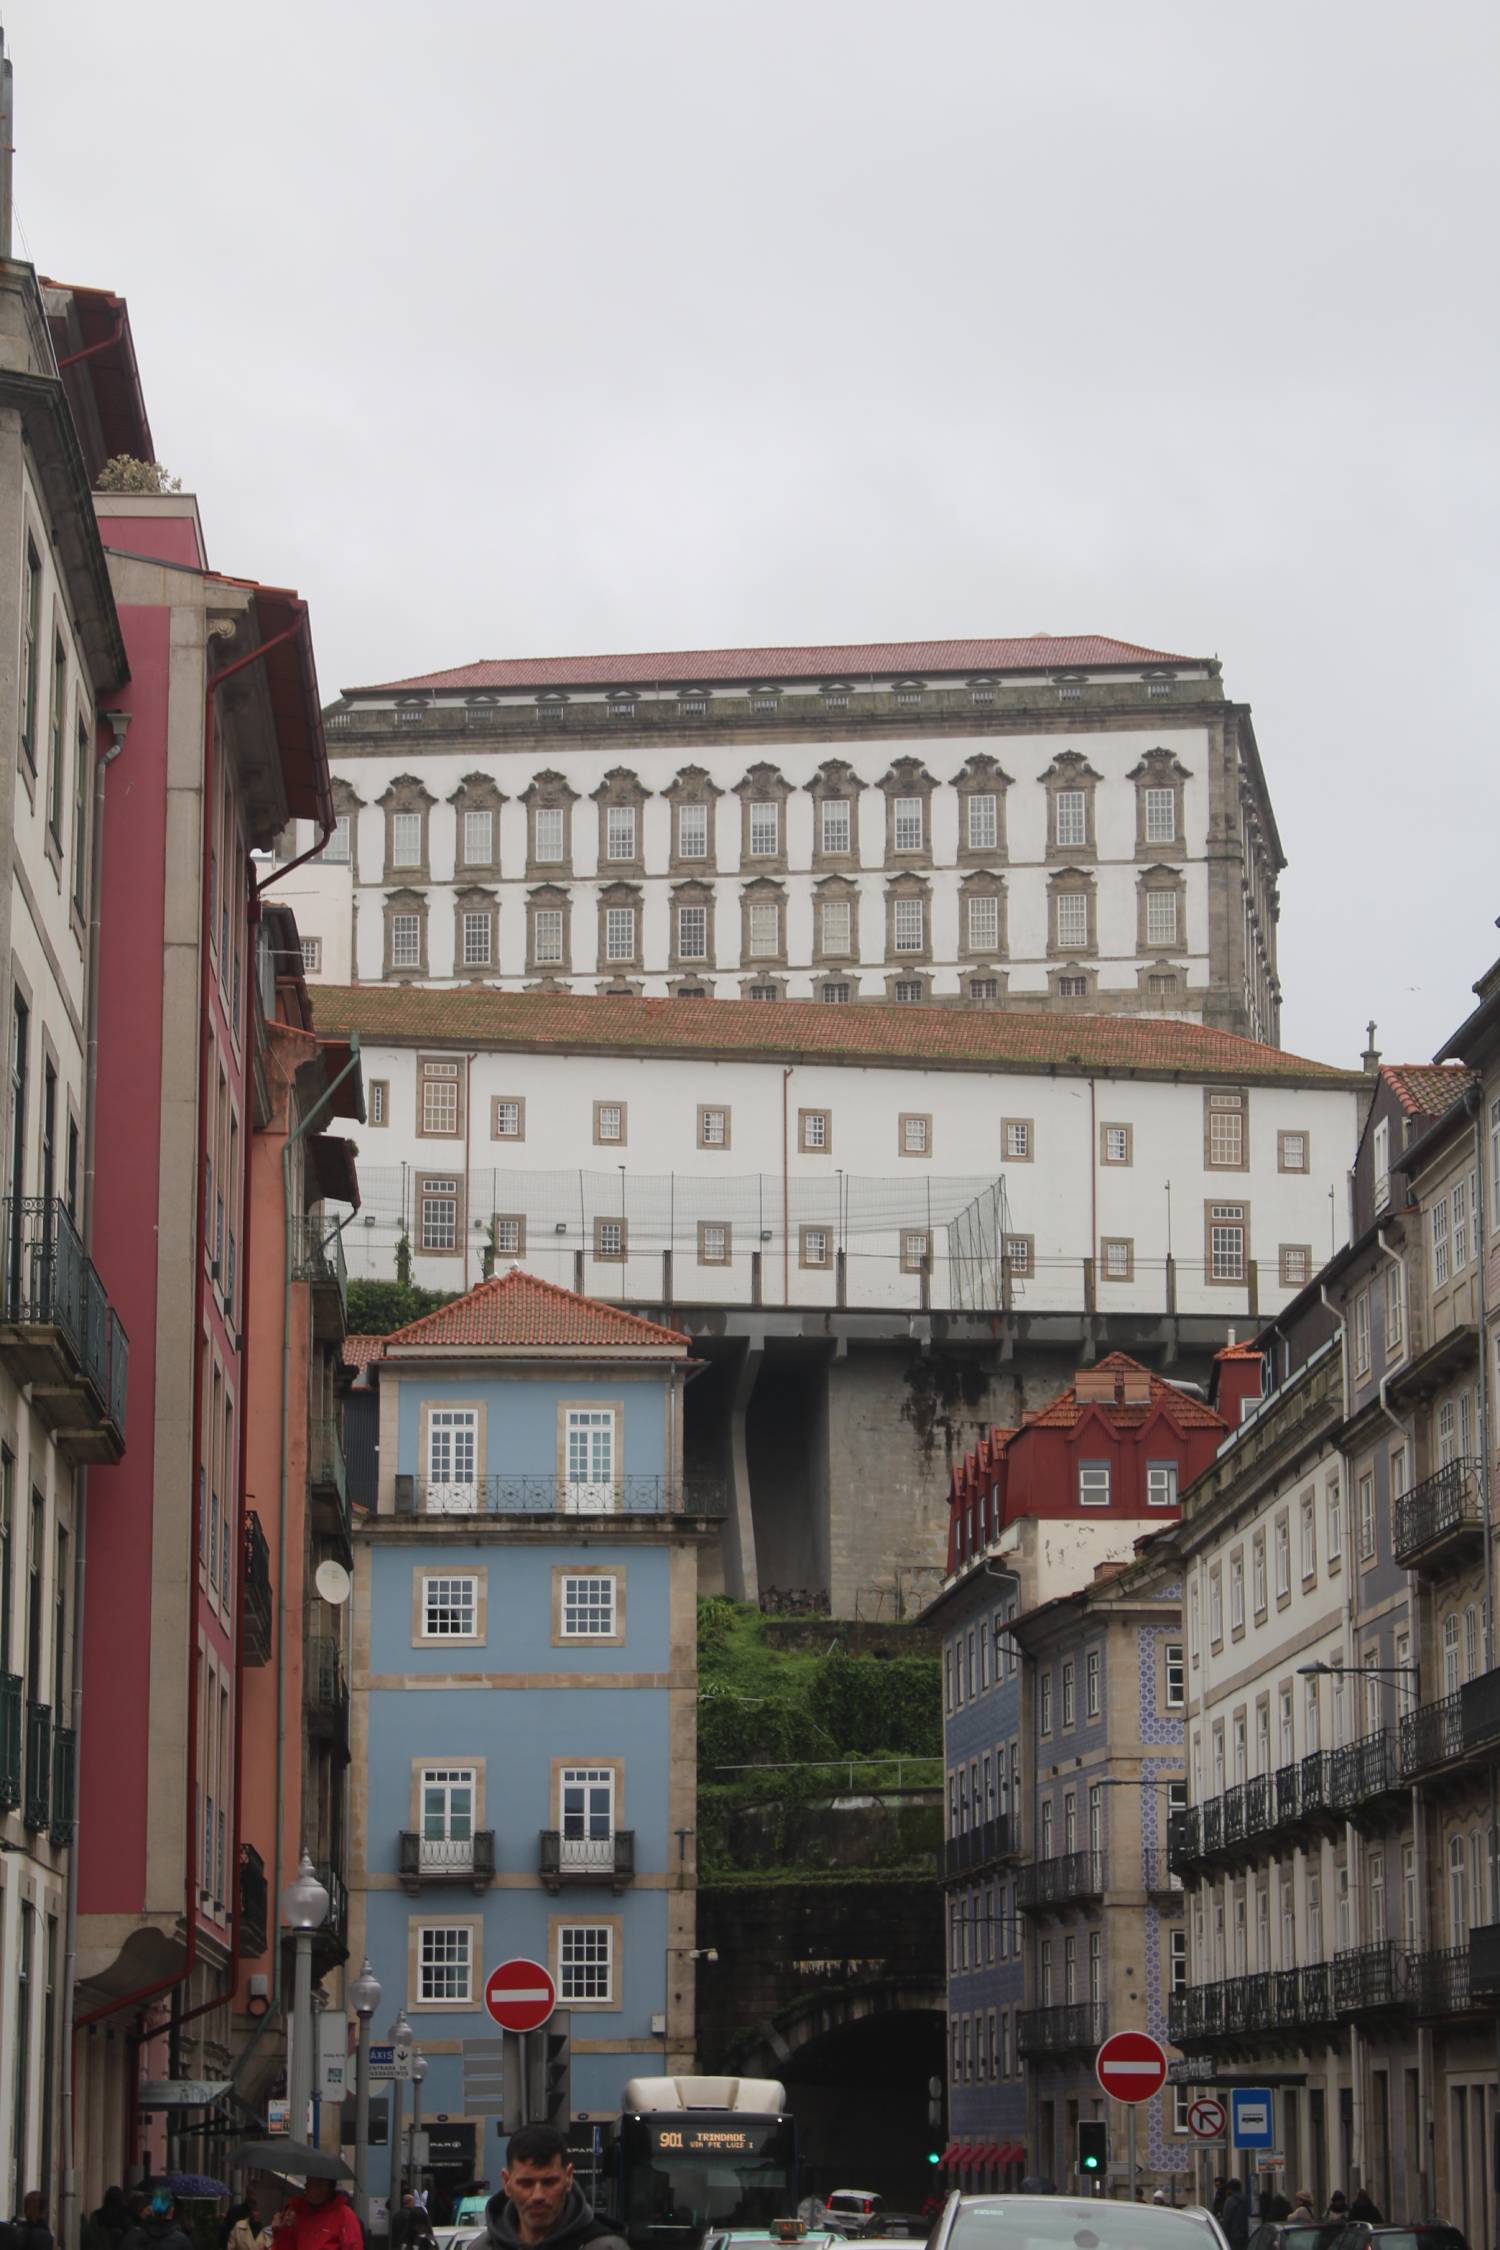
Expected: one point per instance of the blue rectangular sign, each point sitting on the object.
(1252, 2117)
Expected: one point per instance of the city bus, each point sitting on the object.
(690, 2155)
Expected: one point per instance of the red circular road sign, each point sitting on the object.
(520, 1995)
(1131, 2066)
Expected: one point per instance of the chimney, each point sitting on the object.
(1370, 1059)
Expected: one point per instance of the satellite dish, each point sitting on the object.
(333, 1582)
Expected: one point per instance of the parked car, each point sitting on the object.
(854, 2211)
(1059, 2222)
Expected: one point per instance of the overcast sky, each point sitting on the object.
(501, 327)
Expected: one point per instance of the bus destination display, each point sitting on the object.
(685, 2139)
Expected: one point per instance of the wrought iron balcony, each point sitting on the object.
(259, 1606)
(11, 1700)
(338, 1900)
(326, 1691)
(552, 1495)
(1076, 2028)
(1045, 1884)
(984, 1846)
(1481, 1709)
(63, 1820)
(37, 1806)
(1367, 1980)
(1241, 1822)
(1441, 1520)
(318, 1258)
(58, 1331)
(1315, 1787)
(1238, 2008)
(254, 1903)
(1432, 1735)
(1437, 1984)
(327, 1477)
(1363, 1774)
(1183, 1838)
(447, 1859)
(587, 1859)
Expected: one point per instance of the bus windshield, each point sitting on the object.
(683, 2174)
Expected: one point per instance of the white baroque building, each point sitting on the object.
(1072, 823)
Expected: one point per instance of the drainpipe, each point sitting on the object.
(104, 344)
(119, 723)
(289, 1224)
(786, 1191)
(1351, 1860)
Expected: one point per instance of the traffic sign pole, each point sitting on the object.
(1130, 2129)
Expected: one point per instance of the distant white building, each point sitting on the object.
(1070, 823)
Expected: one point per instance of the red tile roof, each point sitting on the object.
(1426, 1089)
(1046, 652)
(1240, 1351)
(1187, 1412)
(519, 1309)
(360, 1350)
(809, 1030)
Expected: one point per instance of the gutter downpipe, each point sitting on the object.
(104, 344)
(1351, 1857)
(119, 722)
(288, 1146)
(786, 1191)
(1480, 1217)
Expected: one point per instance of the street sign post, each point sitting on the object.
(520, 1995)
(1131, 2066)
(1252, 2116)
(1207, 2118)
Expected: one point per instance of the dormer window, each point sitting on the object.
(622, 706)
(481, 711)
(692, 706)
(836, 696)
(409, 714)
(764, 699)
(983, 691)
(909, 691)
(550, 707)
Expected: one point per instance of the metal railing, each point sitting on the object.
(1046, 1883)
(1437, 1984)
(318, 1255)
(1238, 2007)
(1367, 1977)
(325, 1687)
(1481, 1710)
(446, 1859)
(581, 1859)
(978, 1847)
(337, 1925)
(554, 1495)
(1362, 1770)
(49, 1282)
(326, 1457)
(1432, 1734)
(37, 1804)
(1072, 2029)
(254, 1902)
(259, 1605)
(1315, 1785)
(1440, 1506)
(11, 1700)
(62, 1822)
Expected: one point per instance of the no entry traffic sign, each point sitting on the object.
(1207, 2119)
(1131, 2066)
(520, 1995)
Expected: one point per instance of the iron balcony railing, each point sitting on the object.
(1075, 2028)
(254, 1902)
(586, 1859)
(336, 1927)
(1260, 1804)
(326, 1689)
(1367, 1978)
(47, 1282)
(258, 1602)
(63, 1820)
(1437, 1984)
(1432, 1735)
(1315, 1788)
(1362, 1770)
(1236, 2008)
(37, 1807)
(1481, 1711)
(318, 1256)
(1442, 1508)
(11, 1701)
(979, 1847)
(446, 1859)
(1046, 1883)
(551, 1495)
(326, 1465)
(1242, 1819)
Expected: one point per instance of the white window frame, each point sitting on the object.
(1094, 1482)
(449, 1594)
(589, 1605)
(908, 925)
(588, 1979)
(764, 841)
(456, 1971)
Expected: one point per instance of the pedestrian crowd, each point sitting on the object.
(1231, 2207)
(318, 2217)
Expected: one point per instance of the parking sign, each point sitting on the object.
(1252, 2117)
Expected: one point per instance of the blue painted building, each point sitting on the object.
(524, 1693)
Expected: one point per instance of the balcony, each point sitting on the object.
(59, 1333)
(1368, 1980)
(1364, 1784)
(37, 1801)
(1438, 1985)
(255, 1928)
(447, 1859)
(1044, 1885)
(256, 1628)
(1440, 1522)
(335, 1930)
(551, 1495)
(1315, 1793)
(327, 1478)
(984, 1846)
(63, 1820)
(1271, 2003)
(318, 1258)
(1481, 1711)
(326, 1692)
(11, 1700)
(1244, 1822)
(1432, 1737)
(587, 1859)
(1076, 2029)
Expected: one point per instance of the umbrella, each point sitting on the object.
(291, 2158)
(191, 2183)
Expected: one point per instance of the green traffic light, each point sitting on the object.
(933, 2157)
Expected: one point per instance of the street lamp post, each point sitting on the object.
(418, 2073)
(401, 2035)
(364, 1996)
(304, 1908)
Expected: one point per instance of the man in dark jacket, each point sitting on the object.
(1235, 2216)
(538, 2202)
(158, 2227)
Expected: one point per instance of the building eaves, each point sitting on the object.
(53, 440)
(1480, 1029)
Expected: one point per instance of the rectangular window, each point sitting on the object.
(1093, 1484)
(1045, 1708)
(1292, 1152)
(406, 941)
(447, 1798)
(609, 1121)
(438, 1213)
(589, 1450)
(548, 824)
(815, 1131)
(55, 741)
(507, 1118)
(337, 851)
(1395, 1309)
(1226, 1132)
(1440, 1242)
(763, 929)
(1380, 1162)
(406, 839)
(31, 633)
(1460, 1226)
(619, 933)
(1309, 1537)
(479, 945)
(1117, 1258)
(479, 838)
(815, 1246)
(836, 926)
(312, 956)
(586, 1800)
(834, 827)
(1366, 1516)
(611, 1240)
(1072, 919)
(1215, 1606)
(452, 1457)
(1161, 1484)
(908, 923)
(916, 1136)
(1258, 1574)
(1019, 1255)
(380, 1095)
(1093, 1672)
(1114, 1144)
(713, 1127)
(1176, 1677)
(1070, 817)
(1068, 1713)
(692, 933)
(81, 784)
(1073, 988)
(1362, 1333)
(445, 1967)
(1161, 917)
(1226, 1241)
(508, 1233)
(765, 829)
(586, 1962)
(692, 831)
(916, 1251)
(1236, 1593)
(619, 832)
(984, 925)
(714, 1240)
(1016, 1135)
(982, 812)
(547, 936)
(1295, 1260)
(907, 824)
(1161, 816)
(440, 1099)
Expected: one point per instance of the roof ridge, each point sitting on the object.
(517, 1280)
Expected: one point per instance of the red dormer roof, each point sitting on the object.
(1426, 1089)
(519, 1310)
(1240, 1351)
(1067, 1409)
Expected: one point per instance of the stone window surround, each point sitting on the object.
(621, 1140)
(476, 793)
(904, 886)
(718, 1109)
(1110, 1242)
(923, 1263)
(519, 1103)
(472, 899)
(1240, 1280)
(836, 975)
(579, 1919)
(618, 895)
(815, 1265)
(835, 889)
(749, 984)
(692, 785)
(407, 795)
(1070, 769)
(1072, 882)
(497, 1219)
(379, 1091)
(914, 973)
(561, 1572)
(1071, 966)
(907, 777)
(549, 897)
(1159, 966)
(609, 1218)
(819, 1148)
(693, 893)
(430, 1172)
(474, 1924)
(1288, 1276)
(761, 891)
(835, 779)
(914, 1117)
(1159, 769)
(1297, 1133)
(983, 882)
(405, 902)
(348, 804)
(421, 1638)
(1007, 1156)
(723, 1226)
(991, 972)
(763, 783)
(982, 776)
(549, 788)
(1210, 1093)
(1114, 1125)
(621, 787)
(1159, 878)
(460, 1100)
(692, 985)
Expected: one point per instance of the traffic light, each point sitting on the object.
(1093, 2145)
(549, 2061)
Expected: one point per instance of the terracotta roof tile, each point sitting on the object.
(360, 1350)
(1426, 1089)
(876, 1033)
(519, 1308)
(1047, 652)
(1187, 1412)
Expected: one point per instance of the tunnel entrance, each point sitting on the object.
(859, 2095)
